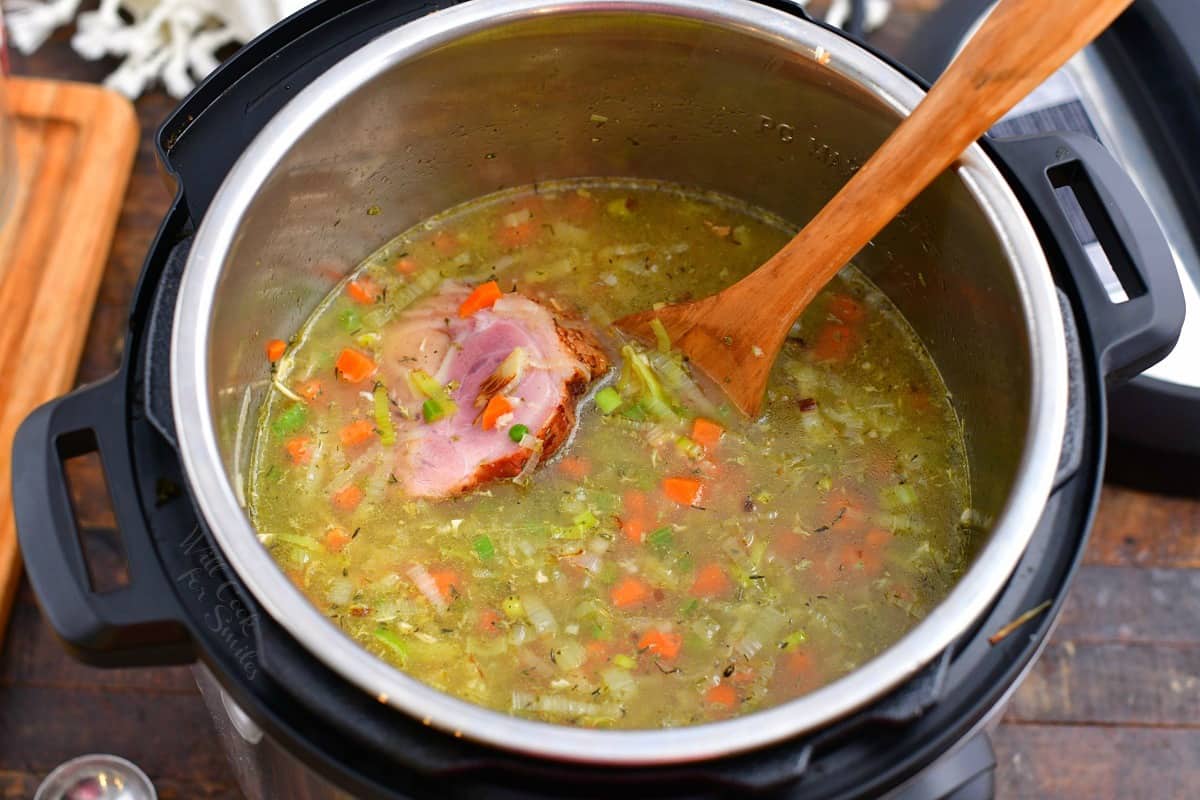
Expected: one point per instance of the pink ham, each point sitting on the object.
(455, 454)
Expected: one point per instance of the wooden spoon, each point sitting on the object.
(735, 335)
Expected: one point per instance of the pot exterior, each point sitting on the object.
(734, 97)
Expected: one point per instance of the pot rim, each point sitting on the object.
(288, 607)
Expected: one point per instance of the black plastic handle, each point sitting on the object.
(1128, 336)
(138, 623)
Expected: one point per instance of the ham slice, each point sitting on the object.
(455, 454)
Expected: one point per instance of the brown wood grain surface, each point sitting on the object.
(74, 144)
(1111, 711)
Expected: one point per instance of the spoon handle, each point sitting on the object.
(1021, 44)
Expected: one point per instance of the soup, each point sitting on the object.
(617, 548)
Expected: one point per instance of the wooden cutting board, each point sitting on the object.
(75, 145)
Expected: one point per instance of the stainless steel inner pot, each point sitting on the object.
(727, 95)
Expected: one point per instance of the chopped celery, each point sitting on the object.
(689, 448)
(424, 383)
(484, 547)
(634, 412)
(795, 638)
(654, 397)
(303, 542)
(432, 411)
(619, 208)
(513, 608)
(350, 319)
(623, 661)
(291, 420)
(393, 642)
(757, 551)
(438, 404)
(660, 335)
(608, 400)
(383, 417)
(585, 520)
(661, 539)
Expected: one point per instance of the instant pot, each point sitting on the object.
(349, 122)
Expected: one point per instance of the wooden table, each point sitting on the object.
(1112, 710)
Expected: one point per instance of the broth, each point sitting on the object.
(674, 563)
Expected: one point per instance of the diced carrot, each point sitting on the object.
(511, 237)
(297, 449)
(742, 677)
(597, 650)
(310, 389)
(336, 539)
(851, 556)
(497, 407)
(834, 343)
(844, 509)
(354, 367)
(448, 582)
(579, 207)
(684, 491)
(489, 620)
(406, 266)
(705, 432)
(797, 663)
(484, 296)
(534, 202)
(356, 433)
(635, 503)
(711, 581)
(722, 695)
(363, 290)
(275, 349)
(661, 643)
(446, 244)
(348, 499)
(634, 516)
(788, 546)
(575, 467)
(634, 529)
(847, 309)
(877, 538)
(630, 592)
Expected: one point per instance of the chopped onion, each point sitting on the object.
(587, 561)
(516, 218)
(539, 614)
(427, 586)
(570, 655)
(238, 435)
(534, 445)
(620, 682)
(569, 707)
(764, 627)
(340, 591)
